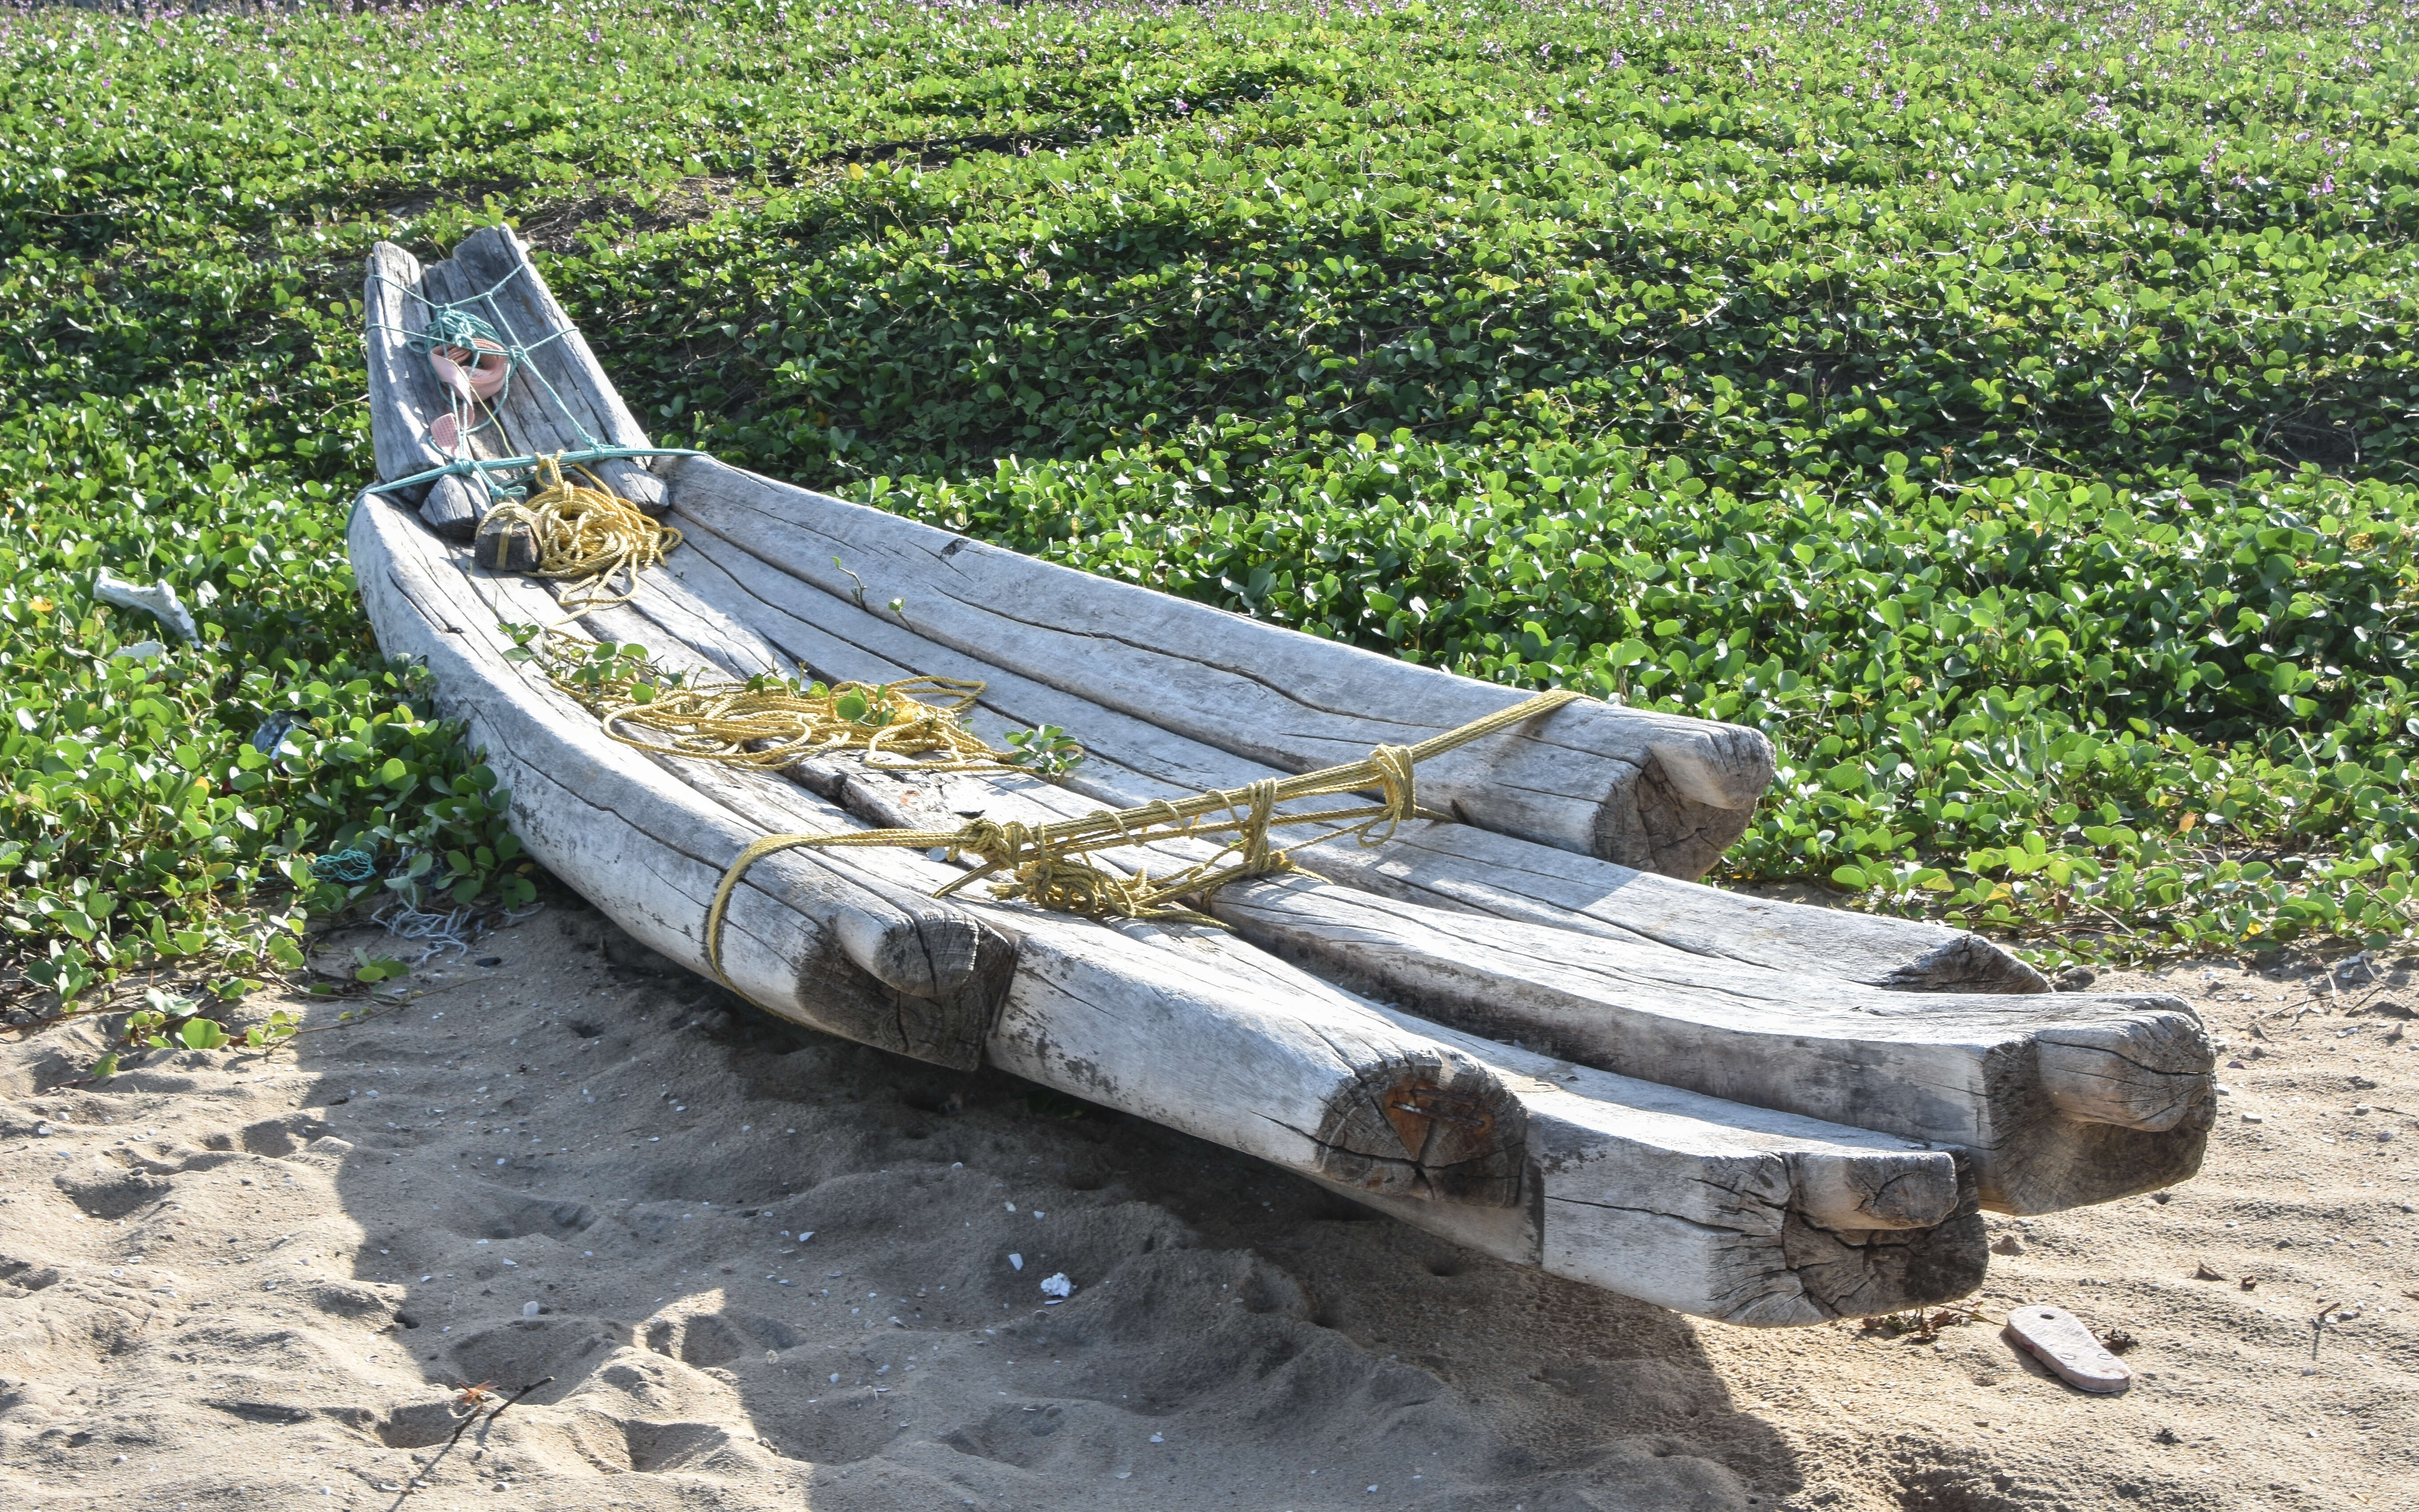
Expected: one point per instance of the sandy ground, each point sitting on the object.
(766, 1269)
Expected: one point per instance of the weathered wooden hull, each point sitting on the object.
(1690, 1123)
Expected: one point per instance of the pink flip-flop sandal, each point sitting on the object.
(2058, 1339)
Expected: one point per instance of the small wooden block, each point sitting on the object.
(2058, 1339)
(450, 509)
(638, 485)
(506, 545)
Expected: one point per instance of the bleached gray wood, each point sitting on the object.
(808, 934)
(1659, 792)
(1736, 1214)
(494, 259)
(1455, 866)
(404, 394)
(1188, 1027)
(2063, 1099)
(1742, 1214)
(1446, 865)
(2016, 1078)
(2013, 1078)
(1854, 1234)
(452, 508)
(524, 421)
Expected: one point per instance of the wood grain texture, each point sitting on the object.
(452, 507)
(404, 394)
(1741, 1214)
(789, 623)
(2064, 1099)
(1964, 1069)
(1654, 791)
(1726, 1211)
(575, 401)
(1187, 1026)
(1990, 1073)
(809, 936)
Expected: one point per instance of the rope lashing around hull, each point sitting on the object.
(586, 534)
(1050, 865)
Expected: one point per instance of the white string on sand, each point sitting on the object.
(455, 930)
(452, 930)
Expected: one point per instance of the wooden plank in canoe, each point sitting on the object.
(810, 936)
(404, 394)
(734, 572)
(1743, 1215)
(853, 944)
(1658, 791)
(574, 406)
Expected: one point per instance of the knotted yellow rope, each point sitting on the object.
(585, 534)
(1049, 865)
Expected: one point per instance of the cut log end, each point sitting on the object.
(2152, 1072)
(1441, 1128)
(1718, 766)
(1854, 1274)
(1968, 963)
(633, 482)
(950, 1030)
(1652, 825)
(2056, 1163)
(1915, 1189)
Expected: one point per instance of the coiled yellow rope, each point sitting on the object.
(585, 534)
(1049, 865)
(770, 722)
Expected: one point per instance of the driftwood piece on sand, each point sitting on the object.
(1654, 791)
(734, 571)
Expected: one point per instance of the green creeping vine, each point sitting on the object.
(2009, 413)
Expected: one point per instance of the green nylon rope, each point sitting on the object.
(457, 324)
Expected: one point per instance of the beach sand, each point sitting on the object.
(758, 1267)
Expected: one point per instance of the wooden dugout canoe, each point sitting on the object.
(1662, 1134)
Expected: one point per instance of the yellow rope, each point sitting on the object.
(585, 534)
(1049, 865)
(768, 722)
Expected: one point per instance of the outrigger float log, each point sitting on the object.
(1493, 1000)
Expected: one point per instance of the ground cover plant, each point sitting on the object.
(2008, 408)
